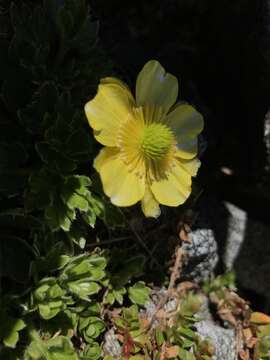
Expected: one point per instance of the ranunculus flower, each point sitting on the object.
(150, 145)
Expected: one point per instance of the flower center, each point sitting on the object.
(157, 140)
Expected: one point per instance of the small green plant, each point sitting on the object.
(58, 348)
(181, 339)
(10, 327)
(174, 337)
(220, 283)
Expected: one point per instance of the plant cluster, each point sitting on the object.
(252, 328)
(65, 308)
(61, 291)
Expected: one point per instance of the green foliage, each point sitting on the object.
(139, 293)
(10, 327)
(176, 338)
(51, 62)
(262, 346)
(181, 337)
(91, 328)
(59, 348)
(130, 325)
(78, 280)
(91, 352)
(49, 69)
(48, 298)
(66, 305)
(220, 283)
(60, 288)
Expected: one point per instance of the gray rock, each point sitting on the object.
(226, 232)
(223, 339)
(236, 227)
(111, 345)
(202, 255)
(247, 251)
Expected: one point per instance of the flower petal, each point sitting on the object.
(186, 123)
(123, 187)
(111, 105)
(175, 189)
(191, 166)
(156, 87)
(150, 206)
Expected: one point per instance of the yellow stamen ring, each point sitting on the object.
(157, 139)
(144, 145)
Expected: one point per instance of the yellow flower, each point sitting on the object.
(150, 146)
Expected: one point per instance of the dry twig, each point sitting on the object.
(175, 274)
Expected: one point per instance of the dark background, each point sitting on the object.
(220, 53)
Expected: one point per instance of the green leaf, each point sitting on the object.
(130, 267)
(75, 194)
(99, 261)
(190, 305)
(59, 348)
(262, 348)
(185, 331)
(139, 293)
(120, 323)
(96, 208)
(12, 339)
(92, 352)
(97, 274)
(54, 260)
(76, 201)
(59, 216)
(78, 234)
(48, 297)
(47, 313)
(226, 280)
(91, 328)
(76, 267)
(118, 295)
(159, 337)
(9, 330)
(110, 298)
(263, 330)
(185, 355)
(85, 266)
(83, 288)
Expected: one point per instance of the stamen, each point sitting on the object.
(157, 139)
(146, 146)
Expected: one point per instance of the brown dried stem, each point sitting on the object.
(175, 274)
